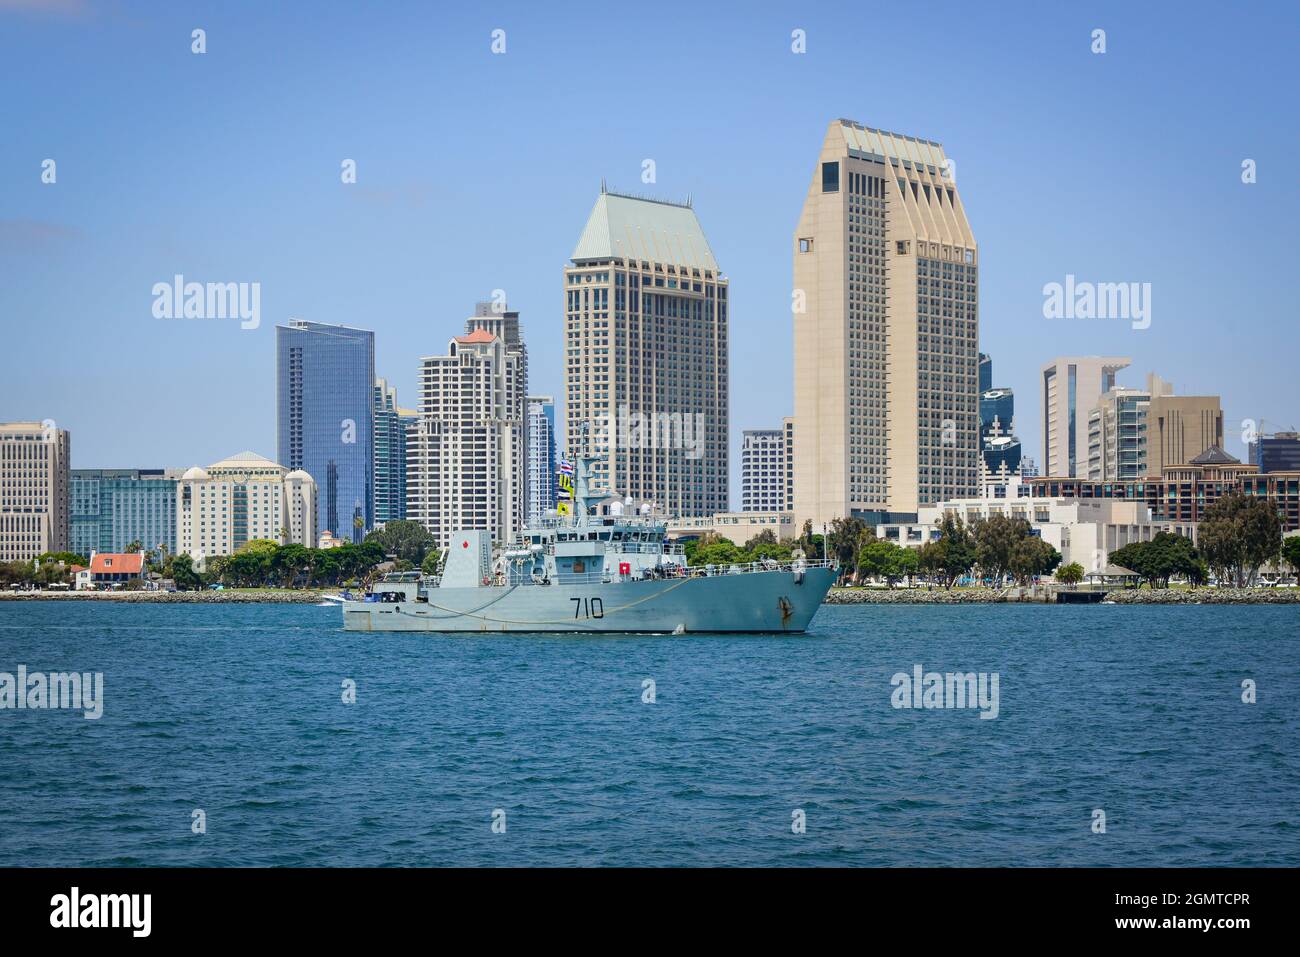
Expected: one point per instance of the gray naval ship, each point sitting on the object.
(587, 573)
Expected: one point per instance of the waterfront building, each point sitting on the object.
(34, 482)
(886, 327)
(391, 424)
(645, 375)
(1071, 387)
(1278, 452)
(466, 457)
(763, 473)
(1083, 531)
(1182, 493)
(115, 568)
(112, 508)
(325, 383)
(736, 527)
(541, 457)
(242, 499)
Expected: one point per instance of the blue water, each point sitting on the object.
(237, 710)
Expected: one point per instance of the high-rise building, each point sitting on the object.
(886, 327)
(1180, 428)
(541, 456)
(986, 373)
(242, 499)
(646, 366)
(787, 426)
(1071, 386)
(325, 420)
(391, 424)
(763, 472)
(466, 457)
(494, 317)
(34, 459)
(1117, 435)
(1277, 452)
(113, 508)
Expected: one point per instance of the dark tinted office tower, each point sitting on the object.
(325, 379)
(1279, 452)
(986, 372)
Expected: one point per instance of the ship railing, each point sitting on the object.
(666, 572)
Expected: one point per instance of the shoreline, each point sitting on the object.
(837, 596)
(1040, 596)
(273, 596)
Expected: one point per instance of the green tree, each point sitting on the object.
(403, 539)
(996, 538)
(183, 573)
(68, 558)
(881, 558)
(1031, 556)
(1291, 552)
(953, 555)
(1070, 574)
(843, 540)
(1238, 535)
(721, 552)
(1155, 561)
(765, 537)
(134, 547)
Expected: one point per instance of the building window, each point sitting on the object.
(805, 245)
(831, 177)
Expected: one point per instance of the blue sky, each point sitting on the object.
(477, 171)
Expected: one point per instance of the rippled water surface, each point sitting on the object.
(236, 709)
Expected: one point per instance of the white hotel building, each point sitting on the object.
(466, 456)
(1082, 530)
(240, 499)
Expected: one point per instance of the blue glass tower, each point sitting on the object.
(325, 379)
(112, 508)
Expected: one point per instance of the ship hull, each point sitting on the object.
(763, 601)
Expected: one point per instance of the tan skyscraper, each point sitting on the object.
(1181, 427)
(34, 482)
(886, 330)
(645, 371)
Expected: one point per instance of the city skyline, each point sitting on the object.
(84, 252)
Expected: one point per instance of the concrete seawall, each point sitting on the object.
(271, 595)
(1042, 595)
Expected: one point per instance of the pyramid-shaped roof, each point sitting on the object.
(1215, 456)
(629, 227)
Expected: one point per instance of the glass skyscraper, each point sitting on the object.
(325, 381)
(111, 508)
(541, 456)
(391, 423)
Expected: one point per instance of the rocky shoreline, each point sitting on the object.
(837, 596)
(1120, 596)
(261, 596)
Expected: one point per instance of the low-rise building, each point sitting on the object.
(112, 569)
(737, 527)
(1082, 531)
